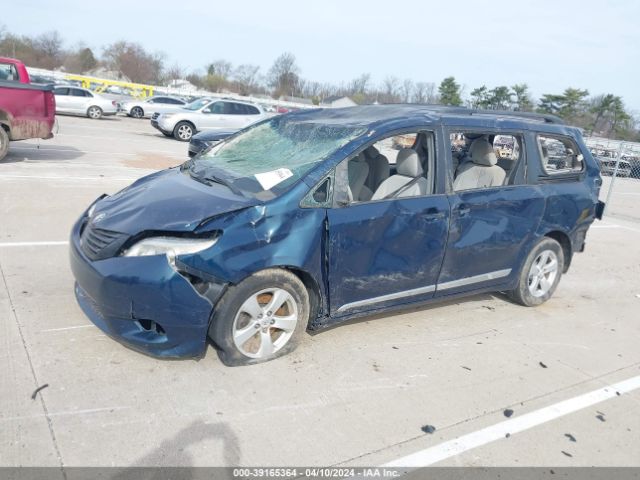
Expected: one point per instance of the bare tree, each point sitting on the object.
(49, 49)
(221, 68)
(359, 85)
(175, 72)
(283, 75)
(424, 92)
(134, 62)
(390, 87)
(406, 90)
(246, 78)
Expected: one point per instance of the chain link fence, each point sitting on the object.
(619, 163)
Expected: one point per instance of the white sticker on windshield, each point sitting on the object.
(268, 180)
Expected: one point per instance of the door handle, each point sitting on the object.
(463, 209)
(433, 214)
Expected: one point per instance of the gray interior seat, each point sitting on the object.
(379, 169)
(482, 171)
(358, 169)
(409, 171)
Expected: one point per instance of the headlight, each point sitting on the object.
(165, 116)
(91, 210)
(171, 247)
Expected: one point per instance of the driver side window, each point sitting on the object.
(397, 166)
(217, 107)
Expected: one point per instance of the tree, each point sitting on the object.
(522, 102)
(359, 85)
(479, 98)
(390, 87)
(175, 72)
(449, 92)
(600, 107)
(283, 75)
(246, 78)
(424, 92)
(48, 47)
(221, 68)
(500, 98)
(573, 102)
(131, 60)
(406, 90)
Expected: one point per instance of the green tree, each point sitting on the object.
(500, 98)
(522, 102)
(479, 98)
(449, 92)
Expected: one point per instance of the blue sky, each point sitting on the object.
(550, 45)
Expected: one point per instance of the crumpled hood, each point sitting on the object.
(169, 200)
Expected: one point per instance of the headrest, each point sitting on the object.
(482, 153)
(472, 136)
(408, 163)
(371, 152)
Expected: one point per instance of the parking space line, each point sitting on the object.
(33, 244)
(56, 150)
(623, 227)
(57, 177)
(437, 453)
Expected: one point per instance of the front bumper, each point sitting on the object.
(141, 302)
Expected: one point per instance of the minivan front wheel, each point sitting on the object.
(260, 318)
(540, 274)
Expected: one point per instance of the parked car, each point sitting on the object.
(207, 114)
(298, 222)
(203, 140)
(80, 101)
(26, 110)
(146, 108)
(608, 167)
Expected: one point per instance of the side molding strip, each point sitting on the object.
(384, 298)
(475, 279)
(431, 288)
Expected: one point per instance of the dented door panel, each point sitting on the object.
(385, 253)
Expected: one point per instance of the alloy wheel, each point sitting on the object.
(265, 323)
(543, 273)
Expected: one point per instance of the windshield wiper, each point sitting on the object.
(221, 181)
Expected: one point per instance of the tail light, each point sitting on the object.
(113, 102)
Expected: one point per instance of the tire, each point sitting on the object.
(94, 112)
(137, 112)
(4, 142)
(242, 326)
(540, 274)
(183, 131)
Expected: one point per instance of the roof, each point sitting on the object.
(367, 115)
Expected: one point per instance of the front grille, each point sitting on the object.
(155, 116)
(98, 244)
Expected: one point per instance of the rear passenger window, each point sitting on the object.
(559, 155)
(8, 72)
(485, 159)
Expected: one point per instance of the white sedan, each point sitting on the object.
(146, 108)
(80, 101)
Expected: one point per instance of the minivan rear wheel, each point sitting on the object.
(540, 274)
(261, 318)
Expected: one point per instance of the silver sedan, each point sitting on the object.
(80, 101)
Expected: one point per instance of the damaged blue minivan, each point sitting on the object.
(312, 218)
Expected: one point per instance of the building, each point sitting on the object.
(337, 102)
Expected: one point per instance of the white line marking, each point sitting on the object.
(171, 155)
(445, 450)
(33, 244)
(66, 328)
(623, 227)
(53, 177)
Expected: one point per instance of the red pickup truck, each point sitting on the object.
(26, 110)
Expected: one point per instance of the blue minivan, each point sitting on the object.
(308, 219)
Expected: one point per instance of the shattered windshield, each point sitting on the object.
(272, 155)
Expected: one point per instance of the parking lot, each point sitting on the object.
(358, 394)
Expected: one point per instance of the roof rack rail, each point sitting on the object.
(541, 117)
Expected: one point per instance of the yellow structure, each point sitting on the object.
(99, 85)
